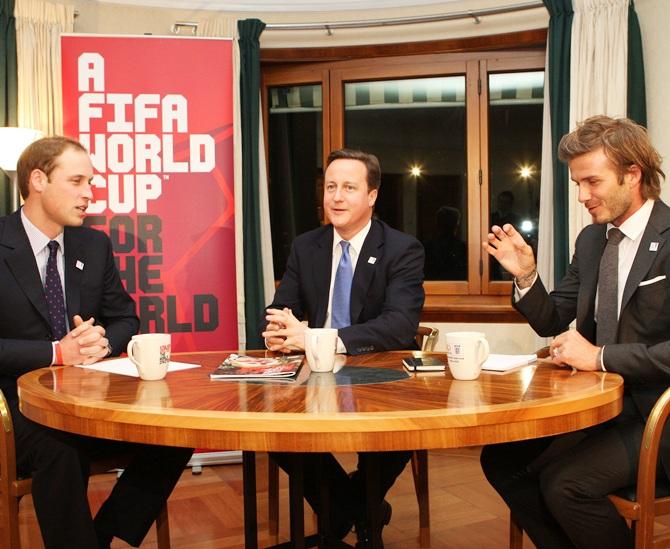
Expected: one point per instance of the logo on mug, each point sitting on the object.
(164, 354)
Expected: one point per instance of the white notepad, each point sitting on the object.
(124, 367)
(502, 363)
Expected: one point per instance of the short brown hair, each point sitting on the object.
(374, 178)
(41, 155)
(623, 141)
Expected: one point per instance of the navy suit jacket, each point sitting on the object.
(94, 290)
(641, 354)
(386, 294)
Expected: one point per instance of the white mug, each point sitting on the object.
(320, 348)
(150, 353)
(466, 352)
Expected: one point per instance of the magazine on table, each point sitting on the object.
(251, 367)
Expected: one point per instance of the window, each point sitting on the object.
(458, 137)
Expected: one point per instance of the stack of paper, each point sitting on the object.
(502, 363)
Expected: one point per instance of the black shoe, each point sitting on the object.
(364, 535)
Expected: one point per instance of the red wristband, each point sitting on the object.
(59, 353)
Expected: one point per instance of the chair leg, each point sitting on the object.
(163, 529)
(10, 521)
(420, 473)
(515, 533)
(273, 497)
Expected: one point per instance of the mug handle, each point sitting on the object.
(129, 350)
(484, 346)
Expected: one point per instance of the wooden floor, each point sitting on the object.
(206, 510)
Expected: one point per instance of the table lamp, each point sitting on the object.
(12, 143)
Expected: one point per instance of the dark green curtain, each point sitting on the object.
(558, 77)
(250, 85)
(7, 85)
(637, 103)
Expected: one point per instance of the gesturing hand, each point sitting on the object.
(510, 250)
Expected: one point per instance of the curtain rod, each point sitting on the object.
(474, 14)
(329, 27)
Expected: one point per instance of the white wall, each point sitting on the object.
(654, 18)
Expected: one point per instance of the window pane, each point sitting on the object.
(515, 152)
(295, 165)
(417, 130)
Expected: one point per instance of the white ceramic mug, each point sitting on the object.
(466, 352)
(320, 348)
(150, 353)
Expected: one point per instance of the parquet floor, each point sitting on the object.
(206, 510)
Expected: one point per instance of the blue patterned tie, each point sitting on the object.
(54, 293)
(340, 317)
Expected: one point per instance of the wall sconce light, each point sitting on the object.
(415, 171)
(13, 141)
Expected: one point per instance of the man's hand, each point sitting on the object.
(572, 349)
(511, 250)
(85, 343)
(284, 332)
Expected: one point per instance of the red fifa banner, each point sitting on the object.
(156, 115)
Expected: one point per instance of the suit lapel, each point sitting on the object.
(659, 221)
(21, 263)
(365, 270)
(74, 253)
(322, 266)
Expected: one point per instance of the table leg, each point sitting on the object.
(249, 491)
(296, 503)
(372, 498)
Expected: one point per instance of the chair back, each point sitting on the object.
(7, 450)
(426, 338)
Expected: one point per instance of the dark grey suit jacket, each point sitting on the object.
(386, 295)
(642, 352)
(93, 290)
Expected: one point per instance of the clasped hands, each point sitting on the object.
(85, 343)
(284, 332)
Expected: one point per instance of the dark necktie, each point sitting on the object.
(54, 293)
(340, 317)
(608, 282)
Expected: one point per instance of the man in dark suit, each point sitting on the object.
(44, 322)
(617, 288)
(383, 270)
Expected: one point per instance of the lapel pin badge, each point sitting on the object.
(372, 260)
(653, 247)
(79, 265)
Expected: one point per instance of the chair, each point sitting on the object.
(12, 488)
(426, 338)
(649, 497)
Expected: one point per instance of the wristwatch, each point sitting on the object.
(109, 350)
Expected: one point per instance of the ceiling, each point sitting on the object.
(281, 5)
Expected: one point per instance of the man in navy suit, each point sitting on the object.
(63, 304)
(384, 298)
(617, 288)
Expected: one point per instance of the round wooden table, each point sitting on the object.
(370, 405)
(323, 412)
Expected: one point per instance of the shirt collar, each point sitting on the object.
(636, 223)
(38, 240)
(356, 242)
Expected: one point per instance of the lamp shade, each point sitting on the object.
(12, 143)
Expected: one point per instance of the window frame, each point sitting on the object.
(478, 299)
